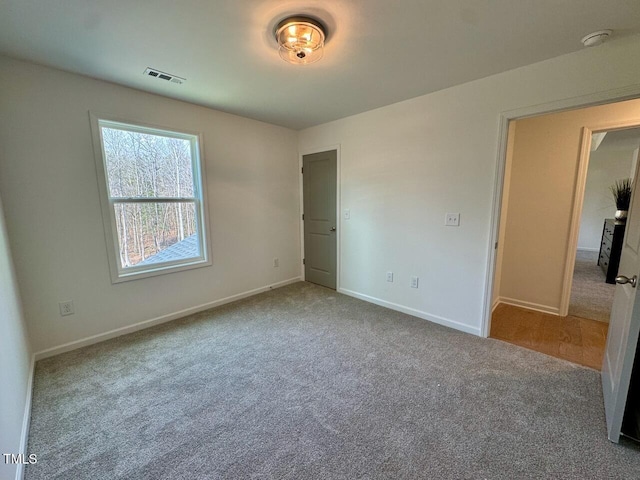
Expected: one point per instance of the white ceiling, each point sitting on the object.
(378, 51)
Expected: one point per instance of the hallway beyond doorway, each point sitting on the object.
(591, 296)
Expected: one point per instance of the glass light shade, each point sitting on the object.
(300, 40)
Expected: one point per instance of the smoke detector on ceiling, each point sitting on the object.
(596, 38)
(152, 72)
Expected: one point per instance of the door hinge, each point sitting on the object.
(495, 247)
(302, 170)
(303, 216)
(303, 262)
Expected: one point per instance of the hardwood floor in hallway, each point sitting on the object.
(578, 340)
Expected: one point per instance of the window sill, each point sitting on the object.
(120, 277)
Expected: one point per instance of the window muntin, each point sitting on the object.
(153, 186)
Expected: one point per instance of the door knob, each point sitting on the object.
(332, 229)
(622, 280)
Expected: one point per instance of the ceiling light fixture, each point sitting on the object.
(596, 38)
(300, 39)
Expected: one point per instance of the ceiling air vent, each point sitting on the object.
(152, 72)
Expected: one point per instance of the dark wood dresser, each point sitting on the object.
(611, 248)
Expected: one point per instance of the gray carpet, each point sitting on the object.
(305, 383)
(591, 296)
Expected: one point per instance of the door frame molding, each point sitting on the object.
(301, 154)
(599, 98)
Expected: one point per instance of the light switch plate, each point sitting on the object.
(389, 276)
(347, 214)
(452, 220)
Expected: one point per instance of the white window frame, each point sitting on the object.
(118, 273)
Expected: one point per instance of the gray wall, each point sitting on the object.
(15, 358)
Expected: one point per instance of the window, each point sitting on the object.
(151, 184)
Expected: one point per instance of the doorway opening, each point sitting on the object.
(547, 293)
(613, 157)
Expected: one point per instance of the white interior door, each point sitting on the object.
(624, 324)
(319, 200)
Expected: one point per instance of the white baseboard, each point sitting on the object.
(412, 311)
(495, 304)
(530, 305)
(588, 249)
(26, 419)
(67, 347)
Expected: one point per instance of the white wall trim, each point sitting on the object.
(494, 306)
(311, 151)
(412, 311)
(496, 213)
(597, 98)
(26, 419)
(529, 305)
(67, 347)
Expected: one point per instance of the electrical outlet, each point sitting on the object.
(452, 220)
(389, 276)
(347, 214)
(66, 308)
(414, 282)
(276, 262)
